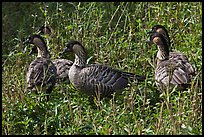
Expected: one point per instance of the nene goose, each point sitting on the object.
(95, 79)
(62, 65)
(173, 55)
(169, 71)
(42, 72)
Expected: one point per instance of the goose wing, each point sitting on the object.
(171, 69)
(104, 79)
(181, 57)
(41, 72)
(63, 66)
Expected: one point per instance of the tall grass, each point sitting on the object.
(114, 33)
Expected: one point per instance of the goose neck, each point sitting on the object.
(80, 59)
(163, 52)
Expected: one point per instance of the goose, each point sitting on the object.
(173, 55)
(169, 71)
(96, 79)
(62, 65)
(42, 72)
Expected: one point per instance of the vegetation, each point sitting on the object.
(115, 34)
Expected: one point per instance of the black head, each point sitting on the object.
(32, 37)
(159, 29)
(162, 30)
(158, 39)
(161, 42)
(73, 46)
(44, 30)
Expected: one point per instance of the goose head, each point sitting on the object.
(39, 45)
(161, 42)
(78, 49)
(162, 30)
(43, 30)
(158, 28)
(74, 46)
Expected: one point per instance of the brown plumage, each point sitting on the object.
(95, 79)
(172, 55)
(62, 65)
(42, 72)
(172, 70)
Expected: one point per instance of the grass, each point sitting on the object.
(113, 33)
